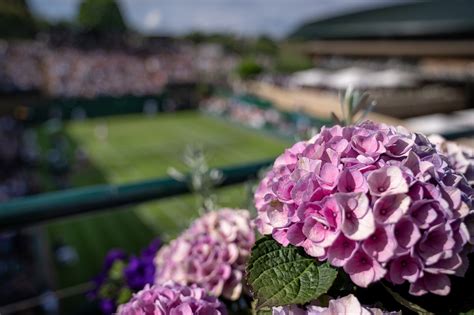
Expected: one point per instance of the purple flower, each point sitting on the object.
(112, 256)
(373, 198)
(460, 157)
(173, 299)
(122, 275)
(107, 306)
(212, 253)
(106, 298)
(139, 272)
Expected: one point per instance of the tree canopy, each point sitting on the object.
(102, 16)
(16, 19)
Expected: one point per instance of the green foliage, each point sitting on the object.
(16, 20)
(281, 275)
(266, 46)
(248, 68)
(124, 296)
(101, 16)
(290, 60)
(116, 272)
(202, 179)
(353, 103)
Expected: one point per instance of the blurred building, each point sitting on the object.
(415, 58)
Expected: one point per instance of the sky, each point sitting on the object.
(246, 17)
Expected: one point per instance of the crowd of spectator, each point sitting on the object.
(18, 158)
(256, 116)
(74, 72)
(20, 66)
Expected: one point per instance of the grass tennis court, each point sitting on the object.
(137, 148)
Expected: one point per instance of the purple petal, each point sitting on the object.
(364, 270)
(295, 234)
(381, 244)
(341, 251)
(328, 176)
(435, 242)
(419, 168)
(446, 266)
(358, 221)
(406, 233)
(437, 284)
(424, 212)
(352, 181)
(389, 209)
(280, 235)
(405, 268)
(387, 181)
(399, 146)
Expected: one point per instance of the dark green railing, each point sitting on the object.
(34, 209)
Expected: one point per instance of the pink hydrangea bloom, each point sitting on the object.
(172, 299)
(347, 305)
(379, 201)
(461, 157)
(212, 253)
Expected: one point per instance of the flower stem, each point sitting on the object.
(410, 305)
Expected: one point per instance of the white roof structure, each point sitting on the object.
(356, 77)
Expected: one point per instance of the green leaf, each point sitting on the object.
(280, 275)
(124, 296)
(116, 272)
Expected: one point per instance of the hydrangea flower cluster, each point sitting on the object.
(378, 201)
(122, 275)
(141, 270)
(109, 284)
(460, 157)
(347, 305)
(173, 299)
(212, 253)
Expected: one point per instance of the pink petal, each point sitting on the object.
(364, 270)
(295, 234)
(313, 250)
(352, 181)
(341, 251)
(280, 236)
(389, 209)
(387, 181)
(381, 244)
(358, 222)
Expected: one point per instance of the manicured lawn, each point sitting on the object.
(138, 148)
